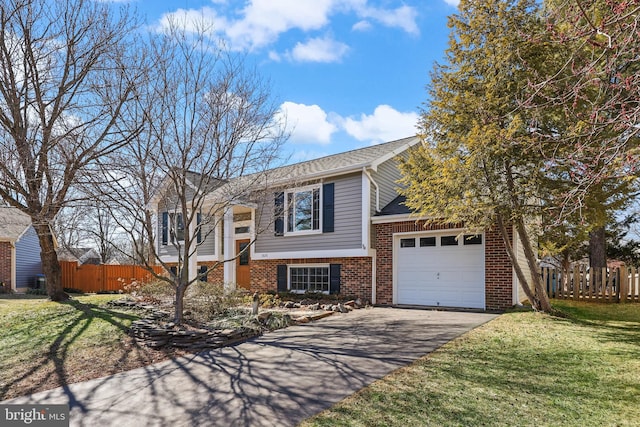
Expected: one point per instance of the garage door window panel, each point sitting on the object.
(407, 243)
(473, 239)
(448, 241)
(427, 242)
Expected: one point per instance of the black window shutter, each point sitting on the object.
(198, 221)
(204, 270)
(279, 213)
(282, 278)
(334, 278)
(327, 208)
(165, 228)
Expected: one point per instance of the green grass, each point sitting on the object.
(45, 344)
(523, 368)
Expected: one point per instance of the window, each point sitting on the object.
(309, 279)
(177, 227)
(303, 210)
(448, 241)
(473, 240)
(242, 230)
(407, 243)
(427, 241)
(244, 253)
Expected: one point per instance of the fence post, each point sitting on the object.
(623, 285)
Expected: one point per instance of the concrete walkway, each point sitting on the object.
(278, 379)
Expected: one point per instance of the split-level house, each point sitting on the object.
(338, 225)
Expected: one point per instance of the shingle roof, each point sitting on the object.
(395, 207)
(354, 159)
(12, 223)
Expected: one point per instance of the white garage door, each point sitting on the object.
(438, 270)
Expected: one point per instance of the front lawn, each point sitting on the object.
(522, 368)
(45, 344)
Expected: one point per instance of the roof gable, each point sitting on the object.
(346, 162)
(13, 223)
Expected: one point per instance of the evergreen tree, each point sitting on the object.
(478, 164)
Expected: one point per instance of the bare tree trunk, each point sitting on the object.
(179, 307)
(597, 248)
(50, 265)
(537, 295)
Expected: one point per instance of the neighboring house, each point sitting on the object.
(79, 255)
(337, 225)
(20, 262)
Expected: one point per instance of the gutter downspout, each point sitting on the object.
(375, 184)
(13, 266)
(373, 258)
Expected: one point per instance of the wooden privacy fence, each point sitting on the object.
(97, 278)
(620, 284)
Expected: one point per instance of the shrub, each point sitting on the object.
(204, 301)
(31, 291)
(151, 291)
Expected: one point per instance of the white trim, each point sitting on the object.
(329, 253)
(293, 190)
(366, 212)
(374, 278)
(384, 219)
(375, 184)
(13, 266)
(200, 258)
(395, 242)
(309, 265)
(229, 268)
(394, 153)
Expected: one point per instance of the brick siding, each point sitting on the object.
(498, 269)
(5, 263)
(355, 274)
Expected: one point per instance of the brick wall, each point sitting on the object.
(355, 274)
(5, 263)
(498, 271)
(215, 273)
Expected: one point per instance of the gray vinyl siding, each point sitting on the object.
(28, 263)
(347, 232)
(386, 177)
(206, 247)
(208, 244)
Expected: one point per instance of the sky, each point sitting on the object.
(346, 73)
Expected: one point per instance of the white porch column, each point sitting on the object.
(229, 268)
(193, 255)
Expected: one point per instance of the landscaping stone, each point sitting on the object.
(157, 330)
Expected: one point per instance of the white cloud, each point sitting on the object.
(264, 20)
(452, 2)
(363, 25)
(403, 17)
(274, 56)
(192, 20)
(307, 123)
(385, 124)
(310, 124)
(319, 50)
(261, 22)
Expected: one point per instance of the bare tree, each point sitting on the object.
(210, 119)
(65, 81)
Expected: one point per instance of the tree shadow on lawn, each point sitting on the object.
(619, 329)
(61, 364)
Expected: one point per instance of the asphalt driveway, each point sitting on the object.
(278, 379)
